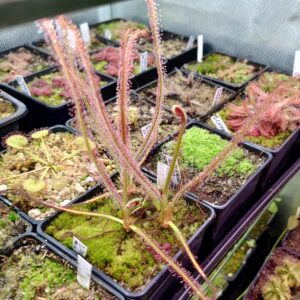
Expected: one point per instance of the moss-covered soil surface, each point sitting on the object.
(11, 226)
(224, 68)
(194, 95)
(32, 272)
(65, 173)
(199, 147)
(6, 108)
(21, 62)
(123, 255)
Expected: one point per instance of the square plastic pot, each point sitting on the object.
(11, 122)
(226, 213)
(162, 281)
(25, 216)
(260, 68)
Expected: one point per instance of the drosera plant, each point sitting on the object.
(43, 164)
(91, 114)
(21, 62)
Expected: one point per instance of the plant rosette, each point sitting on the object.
(107, 61)
(279, 278)
(276, 125)
(140, 113)
(31, 271)
(21, 62)
(6, 108)
(116, 27)
(199, 147)
(194, 95)
(224, 68)
(11, 226)
(49, 166)
(121, 254)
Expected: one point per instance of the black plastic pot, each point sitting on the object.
(281, 155)
(54, 129)
(206, 82)
(225, 214)
(36, 51)
(162, 281)
(41, 114)
(11, 123)
(260, 68)
(18, 243)
(215, 254)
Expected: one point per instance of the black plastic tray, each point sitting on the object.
(31, 236)
(11, 123)
(226, 213)
(260, 68)
(201, 116)
(162, 281)
(212, 258)
(58, 128)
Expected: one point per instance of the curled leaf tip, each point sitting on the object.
(180, 113)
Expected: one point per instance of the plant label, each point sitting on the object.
(162, 173)
(144, 61)
(79, 247)
(72, 39)
(190, 43)
(218, 122)
(145, 129)
(107, 34)
(296, 69)
(84, 272)
(200, 48)
(85, 33)
(22, 84)
(218, 96)
(176, 176)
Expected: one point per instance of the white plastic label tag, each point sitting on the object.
(85, 33)
(144, 61)
(84, 272)
(145, 129)
(296, 69)
(176, 177)
(190, 43)
(218, 96)
(79, 247)
(200, 48)
(162, 173)
(72, 39)
(23, 85)
(107, 34)
(217, 120)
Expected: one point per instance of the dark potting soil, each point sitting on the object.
(122, 254)
(293, 240)
(33, 272)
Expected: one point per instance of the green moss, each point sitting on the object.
(199, 147)
(120, 254)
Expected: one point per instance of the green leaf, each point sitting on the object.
(251, 243)
(17, 141)
(292, 222)
(33, 186)
(273, 208)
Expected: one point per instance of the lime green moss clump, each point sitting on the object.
(120, 254)
(199, 147)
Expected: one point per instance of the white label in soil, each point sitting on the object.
(296, 69)
(162, 173)
(218, 96)
(143, 61)
(190, 43)
(107, 34)
(79, 247)
(217, 120)
(23, 85)
(176, 177)
(72, 39)
(85, 33)
(145, 129)
(199, 48)
(84, 272)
